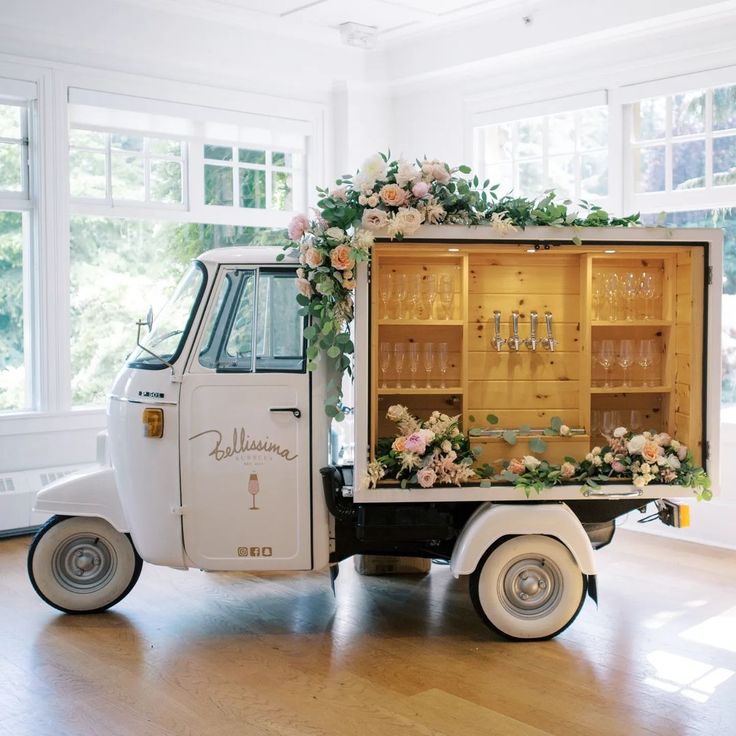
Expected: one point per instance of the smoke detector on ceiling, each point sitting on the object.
(356, 34)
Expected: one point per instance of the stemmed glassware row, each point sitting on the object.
(623, 296)
(412, 355)
(628, 353)
(414, 296)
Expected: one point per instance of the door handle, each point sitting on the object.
(296, 412)
(600, 493)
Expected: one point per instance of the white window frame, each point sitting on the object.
(24, 145)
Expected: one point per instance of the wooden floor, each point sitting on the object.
(222, 654)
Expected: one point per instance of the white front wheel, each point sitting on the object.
(82, 564)
(528, 587)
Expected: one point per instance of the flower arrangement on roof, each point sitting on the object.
(393, 198)
(428, 454)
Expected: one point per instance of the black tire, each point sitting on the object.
(538, 567)
(81, 564)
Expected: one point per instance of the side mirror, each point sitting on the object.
(149, 318)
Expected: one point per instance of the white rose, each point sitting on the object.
(675, 445)
(636, 444)
(661, 460)
(531, 462)
(446, 446)
(335, 233)
(608, 458)
(646, 468)
(373, 199)
(564, 430)
(589, 457)
(619, 432)
(597, 460)
(640, 481)
(673, 462)
(406, 173)
(408, 220)
(596, 450)
(374, 219)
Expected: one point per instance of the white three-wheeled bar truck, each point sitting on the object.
(218, 443)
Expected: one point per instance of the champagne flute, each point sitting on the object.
(598, 293)
(608, 423)
(399, 354)
(384, 361)
(429, 293)
(428, 357)
(646, 290)
(402, 288)
(442, 358)
(612, 290)
(646, 358)
(626, 359)
(606, 357)
(636, 423)
(386, 291)
(415, 296)
(413, 362)
(447, 295)
(629, 285)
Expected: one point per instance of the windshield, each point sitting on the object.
(171, 324)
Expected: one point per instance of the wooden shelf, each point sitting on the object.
(633, 323)
(631, 389)
(420, 391)
(421, 322)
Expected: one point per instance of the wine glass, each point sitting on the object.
(413, 362)
(386, 291)
(629, 285)
(429, 293)
(646, 290)
(636, 423)
(612, 291)
(626, 359)
(442, 359)
(606, 357)
(608, 422)
(399, 354)
(428, 357)
(646, 358)
(598, 296)
(402, 288)
(253, 488)
(447, 295)
(384, 361)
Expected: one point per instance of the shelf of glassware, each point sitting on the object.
(633, 323)
(420, 322)
(432, 391)
(608, 390)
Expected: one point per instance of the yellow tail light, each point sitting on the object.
(153, 422)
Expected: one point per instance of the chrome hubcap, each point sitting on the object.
(84, 563)
(530, 586)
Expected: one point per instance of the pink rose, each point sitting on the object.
(340, 258)
(426, 477)
(618, 467)
(298, 226)
(313, 257)
(340, 193)
(420, 189)
(392, 195)
(304, 287)
(415, 443)
(516, 467)
(567, 470)
(682, 452)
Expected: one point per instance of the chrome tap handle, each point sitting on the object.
(498, 341)
(514, 341)
(549, 342)
(531, 341)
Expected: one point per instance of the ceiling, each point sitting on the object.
(389, 18)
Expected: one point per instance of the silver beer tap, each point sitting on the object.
(498, 342)
(549, 342)
(532, 341)
(514, 342)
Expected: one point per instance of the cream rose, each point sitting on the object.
(304, 287)
(531, 462)
(408, 220)
(567, 470)
(426, 477)
(340, 258)
(650, 451)
(619, 432)
(406, 173)
(335, 233)
(636, 444)
(374, 219)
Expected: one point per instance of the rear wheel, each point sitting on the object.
(528, 588)
(82, 564)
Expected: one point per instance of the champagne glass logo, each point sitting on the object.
(253, 489)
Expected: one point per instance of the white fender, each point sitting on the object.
(90, 493)
(492, 521)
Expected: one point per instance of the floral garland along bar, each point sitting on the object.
(397, 197)
(435, 452)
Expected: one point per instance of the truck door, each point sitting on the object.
(245, 466)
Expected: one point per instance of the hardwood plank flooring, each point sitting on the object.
(226, 654)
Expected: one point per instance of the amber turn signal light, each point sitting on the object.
(153, 422)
